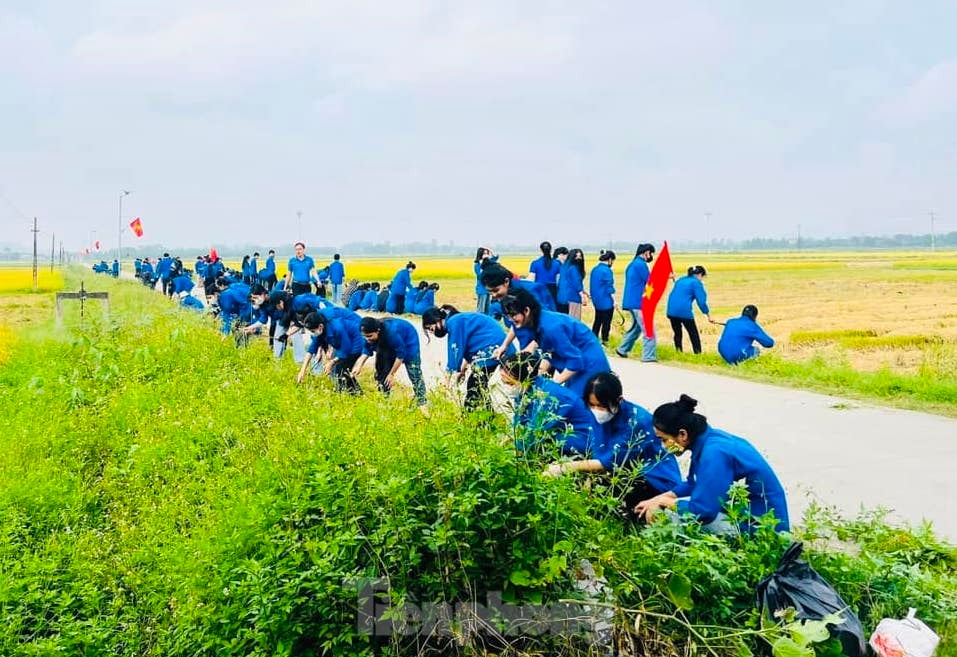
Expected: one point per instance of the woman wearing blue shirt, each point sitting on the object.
(482, 257)
(472, 337)
(737, 339)
(566, 343)
(400, 287)
(545, 269)
(342, 341)
(688, 289)
(571, 288)
(601, 285)
(394, 342)
(718, 459)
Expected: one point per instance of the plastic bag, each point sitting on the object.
(795, 584)
(908, 637)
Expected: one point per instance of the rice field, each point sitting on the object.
(20, 280)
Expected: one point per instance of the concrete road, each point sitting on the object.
(843, 453)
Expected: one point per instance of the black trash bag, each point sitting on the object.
(795, 584)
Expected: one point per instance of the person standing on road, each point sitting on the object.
(739, 334)
(483, 256)
(301, 271)
(688, 289)
(636, 279)
(400, 287)
(601, 287)
(337, 275)
(571, 288)
(394, 342)
(718, 459)
(545, 270)
(267, 276)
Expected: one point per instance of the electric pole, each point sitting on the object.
(35, 273)
(933, 238)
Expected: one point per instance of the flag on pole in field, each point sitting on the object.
(213, 255)
(657, 282)
(96, 245)
(137, 227)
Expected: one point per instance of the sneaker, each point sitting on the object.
(620, 355)
(649, 360)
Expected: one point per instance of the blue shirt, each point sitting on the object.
(356, 299)
(301, 269)
(629, 437)
(570, 284)
(368, 301)
(477, 268)
(424, 302)
(400, 337)
(569, 345)
(601, 287)
(182, 284)
(737, 336)
(718, 459)
(270, 267)
(401, 283)
(192, 303)
(234, 304)
(164, 267)
(636, 279)
(538, 290)
(686, 290)
(473, 337)
(550, 412)
(337, 272)
(343, 336)
(545, 275)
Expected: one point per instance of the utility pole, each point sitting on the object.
(52, 251)
(799, 237)
(299, 217)
(35, 273)
(933, 238)
(119, 229)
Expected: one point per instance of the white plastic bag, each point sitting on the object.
(908, 637)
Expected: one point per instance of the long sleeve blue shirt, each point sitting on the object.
(550, 412)
(687, 289)
(601, 287)
(337, 272)
(343, 336)
(735, 344)
(368, 300)
(424, 302)
(538, 290)
(570, 284)
(401, 283)
(629, 438)
(473, 337)
(569, 345)
(400, 337)
(636, 279)
(545, 275)
(234, 304)
(718, 459)
(182, 284)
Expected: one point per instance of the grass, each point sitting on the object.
(163, 493)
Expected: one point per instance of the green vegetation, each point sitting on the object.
(817, 337)
(163, 493)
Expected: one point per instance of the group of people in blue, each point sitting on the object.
(567, 404)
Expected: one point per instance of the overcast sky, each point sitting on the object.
(491, 121)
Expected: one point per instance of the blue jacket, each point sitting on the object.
(116, 268)
(147, 268)
(331, 312)
(182, 284)
(400, 337)
(636, 279)
(269, 269)
(473, 337)
(547, 412)
(356, 299)
(343, 336)
(191, 302)
(300, 269)
(401, 283)
(234, 304)
(545, 275)
(424, 302)
(248, 269)
(718, 459)
(737, 336)
(569, 345)
(570, 284)
(686, 290)
(337, 272)
(409, 303)
(601, 287)
(164, 267)
(368, 300)
(538, 290)
(630, 437)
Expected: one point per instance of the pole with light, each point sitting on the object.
(119, 227)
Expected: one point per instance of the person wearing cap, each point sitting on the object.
(687, 290)
(739, 334)
(394, 342)
(636, 279)
(601, 288)
(301, 271)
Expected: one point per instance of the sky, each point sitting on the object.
(489, 122)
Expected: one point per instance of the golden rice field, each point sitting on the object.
(20, 279)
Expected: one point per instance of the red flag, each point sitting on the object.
(213, 255)
(137, 227)
(661, 271)
(96, 245)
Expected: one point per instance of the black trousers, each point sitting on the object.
(602, 323)
(342, 375)
(301, 288)
(561, 308)
(477, 395)
(689, 324)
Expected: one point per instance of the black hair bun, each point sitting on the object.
(687, 403)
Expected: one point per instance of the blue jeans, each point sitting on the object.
(336, 292)
(649, 346)
(484, 301)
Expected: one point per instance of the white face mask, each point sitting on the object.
(601, 415)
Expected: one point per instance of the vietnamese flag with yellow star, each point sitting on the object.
(137, 227)
(661, 271)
